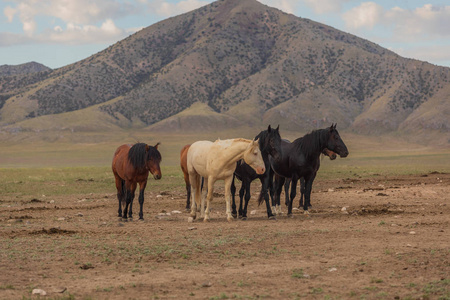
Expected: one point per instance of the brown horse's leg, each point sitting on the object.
(142, 186)
(120, 186)
(130, 189)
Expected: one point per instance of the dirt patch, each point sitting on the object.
(378, 238)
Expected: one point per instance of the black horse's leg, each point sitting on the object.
(286, 191)
(247, 198)
(233, 201)
(142, 186)
(302, 192)
(308, 189)
(241, 197)
(293, 194)
(279, 182)
(266, 186)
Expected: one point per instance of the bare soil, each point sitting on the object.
(379, 238)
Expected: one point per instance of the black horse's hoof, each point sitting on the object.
(244, 218)
(141, 219)
(290, 215)
(234, 215)
(124, 220)
(272, 218)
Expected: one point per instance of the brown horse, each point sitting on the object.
(183, 164)
(130, 166)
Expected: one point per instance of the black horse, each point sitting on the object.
(288, 181)
(269, 144)
(301, 158)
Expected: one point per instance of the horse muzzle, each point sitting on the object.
(260, 170)
(343, 154)
(157, 176)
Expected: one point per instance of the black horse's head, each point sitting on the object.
(335, 143)
(153, 159)
(273, 142)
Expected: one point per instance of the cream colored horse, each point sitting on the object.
(217, 161)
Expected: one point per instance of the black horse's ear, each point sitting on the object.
(147, 147)
(156, 146)
(269, 128)
(278, 128)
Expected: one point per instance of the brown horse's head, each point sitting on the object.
(153, 159)
(252, 156)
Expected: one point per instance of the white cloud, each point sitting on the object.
(325, 6)
(430, 21)
(168, 9)
(406, 24)
(366, 15)
(86, 21)
(82, 34)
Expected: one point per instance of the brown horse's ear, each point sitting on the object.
(156, 146)
(147, 147)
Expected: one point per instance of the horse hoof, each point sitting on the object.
(207, 220)
(272, 218)
(141, 219)
(124, 220)
(244, 218)
(234, 215)
(290, 215)
(306, 212)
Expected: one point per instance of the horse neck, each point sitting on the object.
(237, 149)
(313, 143)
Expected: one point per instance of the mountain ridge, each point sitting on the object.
(249, 63)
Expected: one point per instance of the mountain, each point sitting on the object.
(27, 68)
(239, 63)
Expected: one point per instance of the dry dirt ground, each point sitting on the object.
(392, 241)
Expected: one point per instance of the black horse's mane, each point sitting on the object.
(138, 155)
(262, 139)
(312, 143)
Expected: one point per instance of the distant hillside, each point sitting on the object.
(252, 65)
(27, 68)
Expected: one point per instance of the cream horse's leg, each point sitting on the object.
(195, 193)
(209, 196)
(228, 182)
(204, 191)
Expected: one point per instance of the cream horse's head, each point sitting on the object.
(252, 157)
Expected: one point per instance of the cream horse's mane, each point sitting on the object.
(234, 140)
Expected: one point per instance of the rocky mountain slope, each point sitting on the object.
(251, 65)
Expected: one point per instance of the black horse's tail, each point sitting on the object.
(261, 197)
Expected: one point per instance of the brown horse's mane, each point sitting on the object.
(140, 153)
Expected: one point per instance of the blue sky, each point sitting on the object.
(59, 32)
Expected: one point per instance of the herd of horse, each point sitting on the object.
(276, 162)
